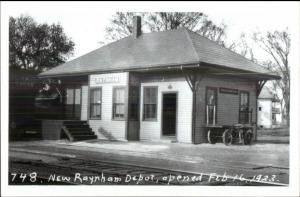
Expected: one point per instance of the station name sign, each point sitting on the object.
(107, 79)
(228, 91)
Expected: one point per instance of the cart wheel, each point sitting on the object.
(227, 137)
(248, 137)
(210, 138)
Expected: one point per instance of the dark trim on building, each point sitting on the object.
(127, 106)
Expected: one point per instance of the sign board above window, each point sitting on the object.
(228, 91)
(101, 80)
(111, 78)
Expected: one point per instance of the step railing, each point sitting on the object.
(67, 132)
(208, 107)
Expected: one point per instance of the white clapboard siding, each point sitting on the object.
(151, 130)
(265, 115)
(107, 128)
(84, 102)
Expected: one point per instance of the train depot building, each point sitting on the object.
(162, 86)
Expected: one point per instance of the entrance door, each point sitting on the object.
(72, 103)
(169, 114)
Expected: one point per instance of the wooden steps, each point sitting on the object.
(78, 130)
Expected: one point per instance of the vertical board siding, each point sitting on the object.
(107, 128)
(228, 104)
(151, 130)
(84, 102)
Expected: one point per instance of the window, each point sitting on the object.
(150, 103)
(259, 108)
(95, 103)
(211, 105)
(274, 118)
(244, 108)
(118, 103)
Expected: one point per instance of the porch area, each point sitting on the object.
(71, 130)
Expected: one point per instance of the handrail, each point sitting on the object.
(207, 114)
(66, 131)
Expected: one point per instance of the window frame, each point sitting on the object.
(113, 102)
(91, 104)
(156, 100)
(216, 94)
(240, 102)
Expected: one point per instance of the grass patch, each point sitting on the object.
(273, 132)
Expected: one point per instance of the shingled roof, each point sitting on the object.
(156, 49)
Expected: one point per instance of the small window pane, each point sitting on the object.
(70, 96)
(244, 99)
(77, 96)
(211, 97)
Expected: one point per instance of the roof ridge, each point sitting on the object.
(227, 49)
(192, 43)
(167, 30)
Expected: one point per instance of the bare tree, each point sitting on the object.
(121, 24)
(277, 45)
(243, 47)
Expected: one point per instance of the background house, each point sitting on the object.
(269, 113)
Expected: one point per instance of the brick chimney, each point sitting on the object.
(137, 27)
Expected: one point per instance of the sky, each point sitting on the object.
(85, 22)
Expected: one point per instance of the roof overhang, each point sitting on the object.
(217, 70)
(136, 69)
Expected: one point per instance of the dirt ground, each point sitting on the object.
(253, 160)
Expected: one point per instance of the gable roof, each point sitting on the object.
(266, 93)
(166, 48)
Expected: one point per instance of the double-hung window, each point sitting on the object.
(150, 103)
(95, 103)
(118, 103)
